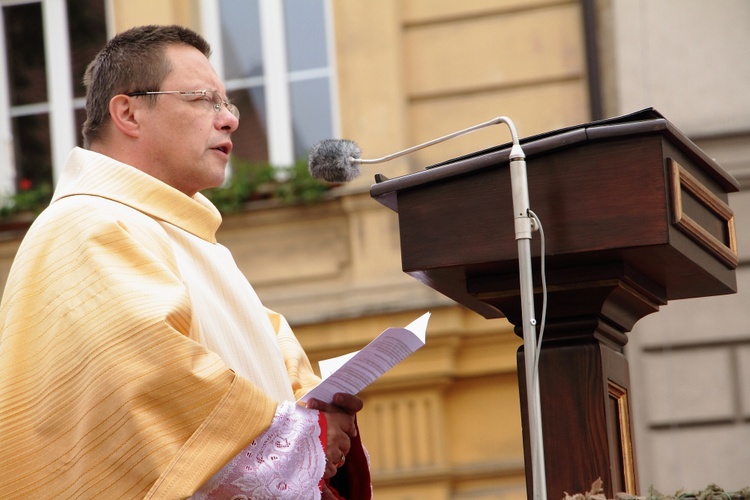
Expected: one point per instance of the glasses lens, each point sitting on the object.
(217, 101)
(234, 110)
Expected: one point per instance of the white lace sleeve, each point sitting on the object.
(286, 461)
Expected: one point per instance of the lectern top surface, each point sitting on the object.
(645, 121)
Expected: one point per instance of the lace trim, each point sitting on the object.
(286, 461)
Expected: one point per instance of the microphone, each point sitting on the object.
(338, 160)
(334, 160)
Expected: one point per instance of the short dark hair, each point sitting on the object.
(134, 60)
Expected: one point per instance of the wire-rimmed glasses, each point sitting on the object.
(208, 96)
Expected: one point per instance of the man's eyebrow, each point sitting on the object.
(224, 95)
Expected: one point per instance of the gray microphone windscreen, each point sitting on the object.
(331, 160)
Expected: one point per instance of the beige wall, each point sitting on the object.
(411, 71)
(129, 13)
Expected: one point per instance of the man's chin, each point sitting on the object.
(218, 181)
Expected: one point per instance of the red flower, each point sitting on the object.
(25, 184)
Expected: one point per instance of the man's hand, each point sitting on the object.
(340, 418)
(349, 403)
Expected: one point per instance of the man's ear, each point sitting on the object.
(122, 110)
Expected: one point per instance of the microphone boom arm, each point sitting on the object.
(494, 121)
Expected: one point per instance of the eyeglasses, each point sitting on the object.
(207, 96)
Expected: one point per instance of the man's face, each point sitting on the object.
(185, 142)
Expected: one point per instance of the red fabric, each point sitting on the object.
(352, 481)
(323, 423)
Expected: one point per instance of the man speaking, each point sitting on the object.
(136, 361)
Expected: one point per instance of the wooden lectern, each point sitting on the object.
(634, 215)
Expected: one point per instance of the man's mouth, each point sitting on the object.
(224, 148)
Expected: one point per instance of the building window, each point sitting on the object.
(275, 56)
(45, 46)
(278, 68)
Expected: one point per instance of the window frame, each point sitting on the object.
(61, 105)
(277, 77)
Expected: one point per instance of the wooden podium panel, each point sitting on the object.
(634, 215)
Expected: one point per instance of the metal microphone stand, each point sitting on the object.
(523, 228)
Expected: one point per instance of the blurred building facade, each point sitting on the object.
(394, 73)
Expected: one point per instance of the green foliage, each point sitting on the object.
(712, 492)
(261, 181)
(301, 187)
(248, 182)
(28, 199)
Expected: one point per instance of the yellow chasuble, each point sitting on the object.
(135, 359)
